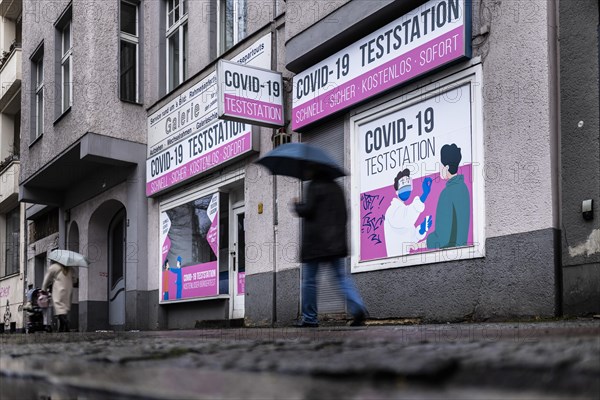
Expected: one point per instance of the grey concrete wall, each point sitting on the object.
(96, 105)
(580, 155)
(93, 315)
(259, 299)
(515, 279)
(260, 294)
(186, 315)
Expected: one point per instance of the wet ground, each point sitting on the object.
(550, 360)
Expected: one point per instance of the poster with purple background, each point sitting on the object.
(189, 247)
(416, 177)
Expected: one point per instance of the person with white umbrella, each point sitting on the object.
(60, 276)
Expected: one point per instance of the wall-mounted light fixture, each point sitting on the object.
(280, 136)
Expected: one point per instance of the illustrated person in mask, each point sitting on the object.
(401, 217)
(165, 280)
(453, 211)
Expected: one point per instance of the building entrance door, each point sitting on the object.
(116, 269)
(238, 262)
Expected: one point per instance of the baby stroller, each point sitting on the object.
(38, 312)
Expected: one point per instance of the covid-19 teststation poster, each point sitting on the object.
(416, 177)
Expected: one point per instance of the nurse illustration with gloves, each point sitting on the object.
(400, 217)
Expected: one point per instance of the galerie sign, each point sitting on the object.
(415, 167)
(186, 136)
(433, 35)
(249, 94)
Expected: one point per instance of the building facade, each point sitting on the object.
(451, 117)
(12, 232)
(83, 126)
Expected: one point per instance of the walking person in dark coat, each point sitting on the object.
(324, 241)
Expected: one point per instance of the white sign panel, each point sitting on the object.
(433, 35)
(250, 94)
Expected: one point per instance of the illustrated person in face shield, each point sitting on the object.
(401, 217)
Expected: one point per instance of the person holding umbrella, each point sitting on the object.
(60, 276)
(324, 229)
(324, 241)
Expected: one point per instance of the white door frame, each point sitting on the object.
(237, 303)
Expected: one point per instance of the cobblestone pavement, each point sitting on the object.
(548, 360)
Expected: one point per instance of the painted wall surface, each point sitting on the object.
(11, 301)
(580, 155)
(12, 287)
(96, 105)
(517, 116)
(93, 218)
(93, 231)
(301, 14)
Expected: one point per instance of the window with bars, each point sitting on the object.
(129, 44)
(177, 42)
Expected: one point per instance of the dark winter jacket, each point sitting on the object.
(324, 225)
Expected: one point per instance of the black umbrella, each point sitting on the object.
(294, 159)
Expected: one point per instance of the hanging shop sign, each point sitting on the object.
(186, 136)
(189, 235)
(249, 94)
(416, 192)
(429, 37)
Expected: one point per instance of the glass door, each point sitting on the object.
(116, 269)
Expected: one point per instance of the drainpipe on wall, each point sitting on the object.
(555, 150)
(275, 206)
(24, 261)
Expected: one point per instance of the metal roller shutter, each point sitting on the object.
(329, 137)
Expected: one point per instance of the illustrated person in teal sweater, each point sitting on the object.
(454, 206)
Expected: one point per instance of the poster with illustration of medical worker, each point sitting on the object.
(189, 236)
(416, 191)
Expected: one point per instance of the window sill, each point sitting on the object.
(6, 277)
(37, 139)
(135, 103)
(61, 116)
(218, 297)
